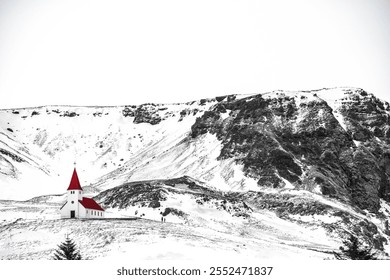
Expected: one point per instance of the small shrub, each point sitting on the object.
(67, 251)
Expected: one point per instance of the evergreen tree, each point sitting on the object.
(67, 251)
(353, 250)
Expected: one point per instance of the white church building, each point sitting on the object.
(78, 206)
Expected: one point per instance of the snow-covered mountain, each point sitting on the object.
(111, 145)
(318, 160)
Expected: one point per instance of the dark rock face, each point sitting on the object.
(298, 139)
(129, 111)
(367, 120)
(69, 114)
(366, 115)
(147, 114)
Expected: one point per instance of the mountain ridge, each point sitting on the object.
(151, 113)
(240, 95)
(315, 159)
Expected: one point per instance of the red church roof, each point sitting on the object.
(89, 203)
(74, 182)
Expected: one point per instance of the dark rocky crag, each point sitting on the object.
(279, 137)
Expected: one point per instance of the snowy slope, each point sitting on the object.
(204, 232)
(150, 240)
(200, 221)
(107, 140)
(98, 139)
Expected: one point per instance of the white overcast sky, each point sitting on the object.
(111, 52)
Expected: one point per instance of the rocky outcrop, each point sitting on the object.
(154, 193)
(147, 113)
(155, 113)
(297, 138)
(366, 116)
(300, 208)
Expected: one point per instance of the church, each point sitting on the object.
(78, 206)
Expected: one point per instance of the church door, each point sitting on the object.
(72, 214)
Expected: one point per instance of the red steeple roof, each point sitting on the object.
(74, 182)
(89, 203)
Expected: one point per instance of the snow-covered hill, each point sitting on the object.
(317, 160)
(111, 145)
(150, 240)
(205, 222)
(45, 142)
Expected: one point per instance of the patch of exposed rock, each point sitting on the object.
(298, 139)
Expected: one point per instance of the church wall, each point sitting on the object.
(82, 212)
(65, 212)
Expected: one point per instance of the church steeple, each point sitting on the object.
(74, 182)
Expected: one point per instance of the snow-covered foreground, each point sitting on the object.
(33, 231)
(202, 223)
